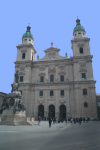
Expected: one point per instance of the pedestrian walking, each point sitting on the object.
(39, 121)
(50, 122)
(80, 121)
(71, 120)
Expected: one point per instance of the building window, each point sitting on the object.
(83, 76)
(81, 50)
(21, 78)
(85, 104)
(25, 39)
(62, 78)
(23, 56)
(84, 91)
(75, 34)
(32, 57)
(83, 33)
(51, 93)
(79, 33)
(41, 93)
(42, 79)
(62, 92)
(29, 39)
(51, 78)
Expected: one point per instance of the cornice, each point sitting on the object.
(80, 39)
(41, 74)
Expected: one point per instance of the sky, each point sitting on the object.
(50, 21)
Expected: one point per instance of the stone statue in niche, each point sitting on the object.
(82, 65)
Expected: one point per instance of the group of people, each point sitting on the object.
(71, 120)
(78, 120)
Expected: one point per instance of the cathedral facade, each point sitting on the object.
(57, 86)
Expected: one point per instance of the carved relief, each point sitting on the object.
(51, 55)
(42, 74)
(51, 70)
(42, 68)
(82, 64)
(61, 67)
(62, 73)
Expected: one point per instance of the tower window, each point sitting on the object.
(21, 78)
(32, 57)
(62, 92)
(41, 79)
(83, 76)
(62, 78)
(51, 93)
(75, 34)
(25, 39)
(84, 91)
(81, 50)
(51, 78)
(29, 39)
(85, 104)
(41, 93)
(79, 33)
(83, 33)
(23, 56)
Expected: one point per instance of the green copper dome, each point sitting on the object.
(78, 26)
(28, 33)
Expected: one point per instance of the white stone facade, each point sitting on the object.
(54, 64)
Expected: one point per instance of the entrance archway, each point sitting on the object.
(62, 112)
(41, 111)
(52, 111)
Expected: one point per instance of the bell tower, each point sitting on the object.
(80, 44)
(26, 51)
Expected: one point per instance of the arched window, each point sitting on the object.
(85, 104)
(42, 79)
(51, 78)
(79, 33)
(81, 50)
(23, 56)
(75, 34)
(29, 39)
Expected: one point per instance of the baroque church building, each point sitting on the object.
(57, 86)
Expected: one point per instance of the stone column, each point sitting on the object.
(46, 103)
(36, 104)
(77, 102)
(56, 103)
(68, 110)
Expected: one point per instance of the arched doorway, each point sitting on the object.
(62, 112)
(52, 111)
(41, 111)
